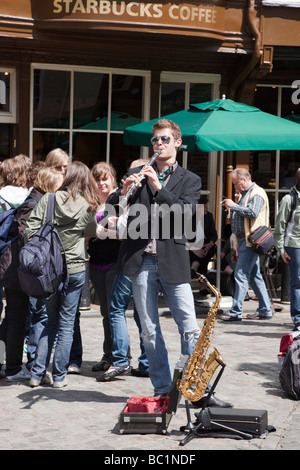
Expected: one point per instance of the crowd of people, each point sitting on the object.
(123, 265)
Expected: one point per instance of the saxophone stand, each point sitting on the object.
(204, 422)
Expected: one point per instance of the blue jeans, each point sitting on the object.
(38, 318)
(120, 298)
(247, 271)
(294, 265)
(145, 286)
(61, 317)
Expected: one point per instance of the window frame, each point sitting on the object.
(71, 130)
(10, 117)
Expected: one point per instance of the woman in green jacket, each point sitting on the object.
(74, 218)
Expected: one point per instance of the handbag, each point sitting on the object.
(262, 240)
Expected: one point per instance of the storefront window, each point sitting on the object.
(119, 159)
(172, 98)
(262, 166)
(90, 101)
(7, 111)
(51, 107)
(200, 92)
(4, 92)
(7, 95)
(126, 101)
(45, 140)
(89, 147)
(85, 112)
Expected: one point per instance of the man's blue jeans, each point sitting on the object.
(179, 297)
(294, 266)
(120, 298)
(247, 271)
(61, 317)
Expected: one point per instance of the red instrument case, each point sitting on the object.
(150, 415)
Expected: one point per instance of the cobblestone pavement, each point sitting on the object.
(84, 415)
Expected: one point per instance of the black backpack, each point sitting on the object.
(43, 270)
(10, 244)
(289, 375)
(6, 220)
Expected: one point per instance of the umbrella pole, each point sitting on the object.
(218, 277)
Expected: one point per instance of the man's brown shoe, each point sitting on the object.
(226, 317)
(254, 316)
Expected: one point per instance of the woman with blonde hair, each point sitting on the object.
(48, 180)
(74, 218)
(58, 159)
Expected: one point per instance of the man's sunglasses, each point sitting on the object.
(164, 138)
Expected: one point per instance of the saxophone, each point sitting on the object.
(200, 369)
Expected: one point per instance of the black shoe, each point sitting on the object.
(102, 365)
(213, 401)
(112, 372)
(204, 293)
(160, 394)
(139, 373)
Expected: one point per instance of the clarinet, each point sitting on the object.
(124, 202)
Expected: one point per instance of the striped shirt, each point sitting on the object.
(239, 211)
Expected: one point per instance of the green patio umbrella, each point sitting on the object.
(223, 125)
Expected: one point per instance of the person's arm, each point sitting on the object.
(280, 227)
(251, 211)
(124, 186)
(36, 219)
(253, 208)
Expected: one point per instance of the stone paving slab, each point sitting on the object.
(84, 415)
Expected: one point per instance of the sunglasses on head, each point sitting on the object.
(164, 138)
